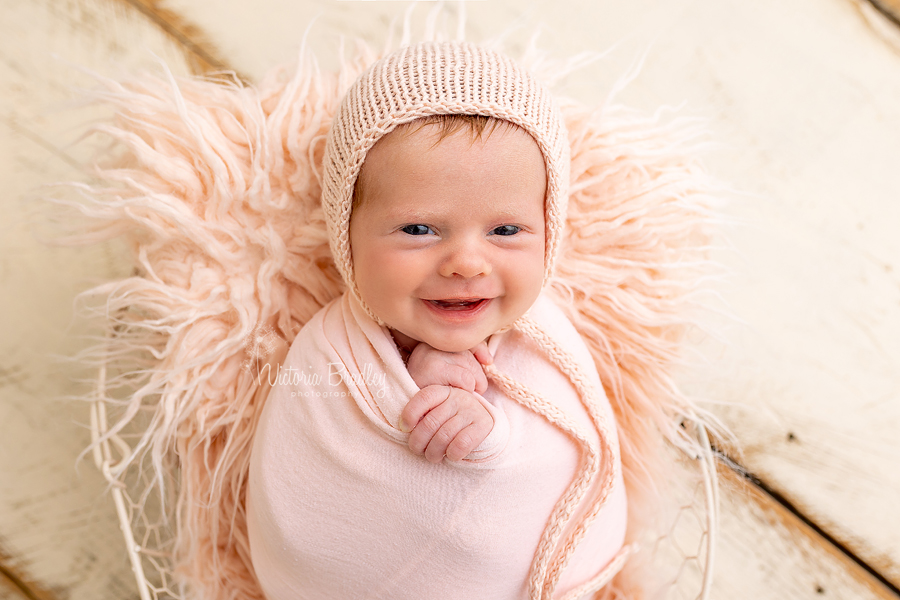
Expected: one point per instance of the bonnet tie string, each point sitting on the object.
(595, 462)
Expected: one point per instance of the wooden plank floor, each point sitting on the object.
(58, 534)
(804, 96)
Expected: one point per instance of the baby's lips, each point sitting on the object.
(456, 303)
(463, 306)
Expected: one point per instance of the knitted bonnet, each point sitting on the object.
(438, 78)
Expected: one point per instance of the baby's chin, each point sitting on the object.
(409, 342)
(456, 348)
(455, 344)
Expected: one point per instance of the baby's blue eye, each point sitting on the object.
(506, 230)
(417, 229)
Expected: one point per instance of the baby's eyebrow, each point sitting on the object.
(510, 214)
(431, 216)
(419, 214)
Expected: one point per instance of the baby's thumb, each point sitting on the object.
(482, 354)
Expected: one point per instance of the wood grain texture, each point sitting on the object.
(58, 532)
(16, 585)
(812, 379)
(766, 552)
(890, 8)
(201, 54)
(10, 591)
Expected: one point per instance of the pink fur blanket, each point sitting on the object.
(216, 188)
(338, 506)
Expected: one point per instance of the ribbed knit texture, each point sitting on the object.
(438, 78)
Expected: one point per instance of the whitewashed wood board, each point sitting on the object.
(58, 532)
(765, 551)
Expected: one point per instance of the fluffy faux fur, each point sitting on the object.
(215, 185)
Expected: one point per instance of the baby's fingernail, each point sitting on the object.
(403, 426)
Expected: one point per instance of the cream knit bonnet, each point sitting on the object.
(438, 78)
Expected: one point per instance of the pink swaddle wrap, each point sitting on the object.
(339, 507)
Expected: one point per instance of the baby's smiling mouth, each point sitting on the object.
(460, 304)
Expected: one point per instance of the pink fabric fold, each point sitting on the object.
(339, 507)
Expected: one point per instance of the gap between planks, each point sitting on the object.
(23, 587)
(889, 8)
(778, 499)
(202, 55)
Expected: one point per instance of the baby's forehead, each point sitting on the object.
(488, 136)
(450, 146)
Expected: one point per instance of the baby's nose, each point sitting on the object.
(465, 261)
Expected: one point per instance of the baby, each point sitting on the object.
(447, 435)
(447, 233)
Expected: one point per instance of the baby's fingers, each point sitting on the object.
(431, 434)
(455, 424)
(467, 439)
(452, 437)
(419, 405)
(461, 377)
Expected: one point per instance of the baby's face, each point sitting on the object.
(448, 241)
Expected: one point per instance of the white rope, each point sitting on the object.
(102, 452)
(711, 490)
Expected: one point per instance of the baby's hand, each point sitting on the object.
(428, 366)
(445, 421)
